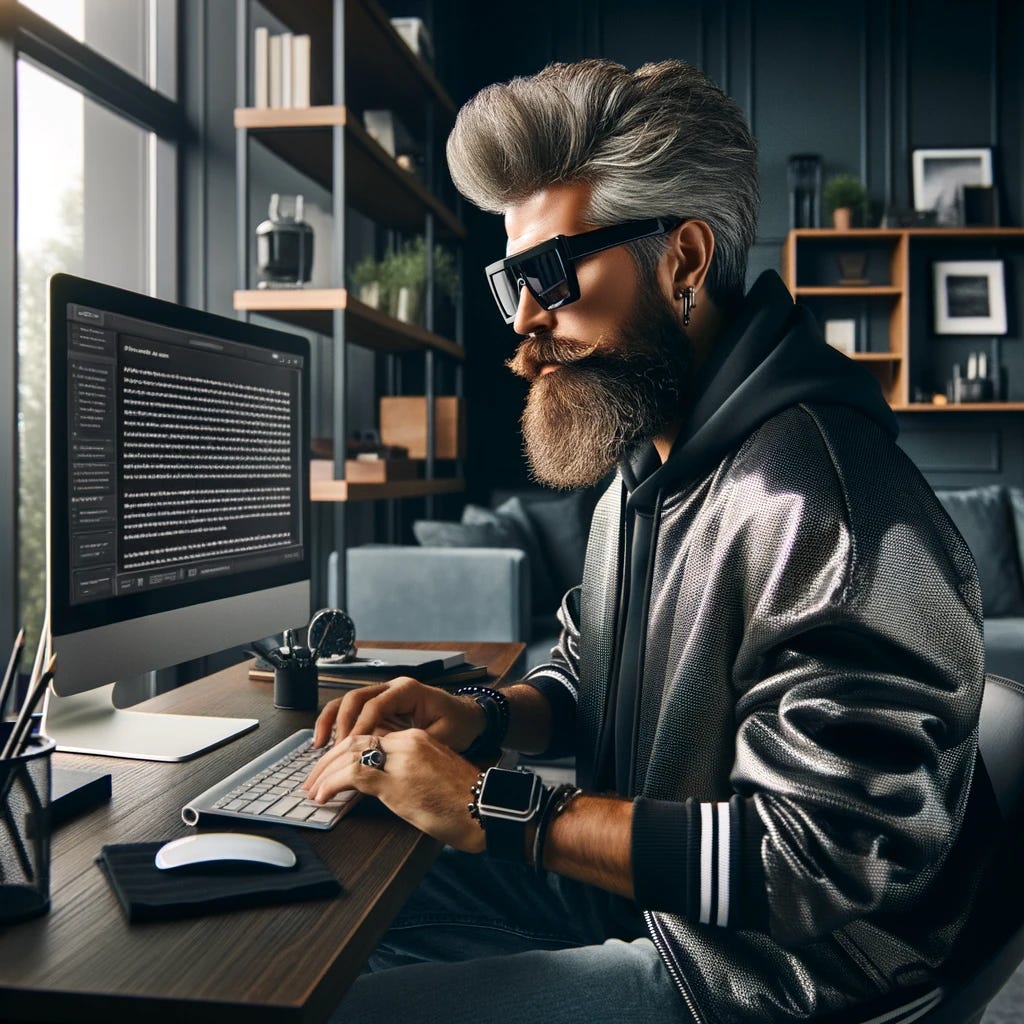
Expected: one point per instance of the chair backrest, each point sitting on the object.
(993, 946)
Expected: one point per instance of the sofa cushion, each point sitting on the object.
(562, 525)
(984, 519)
(507, 526)
(1004, 647)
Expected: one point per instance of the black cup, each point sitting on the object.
(295, 686)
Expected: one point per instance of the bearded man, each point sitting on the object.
(771, 673)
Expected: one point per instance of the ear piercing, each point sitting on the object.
(688, 295)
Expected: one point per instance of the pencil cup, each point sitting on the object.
(25, 832)
(295, 687)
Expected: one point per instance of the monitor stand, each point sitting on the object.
(88, 723)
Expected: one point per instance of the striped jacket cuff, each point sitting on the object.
(700, 860)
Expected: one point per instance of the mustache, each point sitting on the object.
(544, 349)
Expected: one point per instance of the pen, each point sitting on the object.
(18, 739)
(12, 669)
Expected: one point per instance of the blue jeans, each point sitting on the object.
(483, 941)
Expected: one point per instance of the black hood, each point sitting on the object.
(772, 357)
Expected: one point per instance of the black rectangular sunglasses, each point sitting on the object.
(548, 270)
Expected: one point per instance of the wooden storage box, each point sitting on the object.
(403, 421)
(380, 471)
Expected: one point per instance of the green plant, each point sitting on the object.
(365, 272)
(845, 190)
(406, 267)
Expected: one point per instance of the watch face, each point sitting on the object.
(335, 630)
(509, 790)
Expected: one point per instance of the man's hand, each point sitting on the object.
(402, 703)
(422, 781)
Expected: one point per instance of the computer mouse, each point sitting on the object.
(219, 847)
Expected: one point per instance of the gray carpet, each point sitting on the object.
(1008, 1006)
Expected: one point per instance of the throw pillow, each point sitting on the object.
(983, 517)
(512, 516)
(562, 527)
(435, 533)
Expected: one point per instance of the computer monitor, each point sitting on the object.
(178, 505)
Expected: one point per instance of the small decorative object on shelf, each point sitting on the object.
(284, 245)
(852, 266)
(940, 176)
(415, 35)
(981, 206)
(970, 297)
(847, 200)
(804, 176)
(842, 334)
(977, 386)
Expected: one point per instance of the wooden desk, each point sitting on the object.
(83, 962)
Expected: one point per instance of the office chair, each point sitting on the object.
(991, 946)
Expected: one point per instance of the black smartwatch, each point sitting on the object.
(507, 802)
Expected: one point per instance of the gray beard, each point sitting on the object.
(601, 403)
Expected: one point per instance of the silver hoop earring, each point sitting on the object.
(689, 302)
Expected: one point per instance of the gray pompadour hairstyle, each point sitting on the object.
(661, 141)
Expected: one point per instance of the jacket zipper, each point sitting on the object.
(661, 945)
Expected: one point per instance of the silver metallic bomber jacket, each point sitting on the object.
(793, 704)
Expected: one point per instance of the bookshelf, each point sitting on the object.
(358, 62)
(891, 301)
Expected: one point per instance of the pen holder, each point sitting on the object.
(25, 831)
(295, 687)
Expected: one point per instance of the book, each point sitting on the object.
(261, 68)
(398, 661)
(300, 71)
(275, 72)
(286, 69)
(337, 676)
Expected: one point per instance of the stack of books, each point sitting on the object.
(280, 66)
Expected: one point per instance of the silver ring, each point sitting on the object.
(373, 757)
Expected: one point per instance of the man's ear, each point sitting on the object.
(691, 246)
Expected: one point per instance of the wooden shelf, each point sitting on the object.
(853, 289)
(323, 486)
(877, 357)
(382, 72)
(375, 184)
(961, 407)
(312, 309)
(835, 235)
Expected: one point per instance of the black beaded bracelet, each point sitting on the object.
(496, 712)
(556, 800)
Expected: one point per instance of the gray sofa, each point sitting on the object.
(500, 573)
(991, 521)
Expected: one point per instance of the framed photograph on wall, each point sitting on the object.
(970, 297)
(940, 176)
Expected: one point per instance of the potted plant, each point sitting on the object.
(403, 274)
(366, 280)
(846, 198)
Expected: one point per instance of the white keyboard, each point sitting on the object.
(266, 790)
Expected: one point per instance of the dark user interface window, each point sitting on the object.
(183, 456)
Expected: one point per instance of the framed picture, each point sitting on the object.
(970, 297)
(940, 176)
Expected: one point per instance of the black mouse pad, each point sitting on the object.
(149, 894)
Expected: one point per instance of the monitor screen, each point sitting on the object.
(178, 475)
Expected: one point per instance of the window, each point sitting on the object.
(95, 196)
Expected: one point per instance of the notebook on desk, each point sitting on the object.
(378, 664)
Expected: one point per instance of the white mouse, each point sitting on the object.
(224, 846)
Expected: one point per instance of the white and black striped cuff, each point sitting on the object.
(699, 860)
